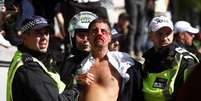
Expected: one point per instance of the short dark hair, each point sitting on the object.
(123, 16)
(99, 20)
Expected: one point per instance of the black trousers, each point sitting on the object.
(137, 18)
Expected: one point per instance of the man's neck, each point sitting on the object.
(99, 54)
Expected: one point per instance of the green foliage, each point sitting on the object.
(196, 3)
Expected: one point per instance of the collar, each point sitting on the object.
(44, 57)
(119, 60)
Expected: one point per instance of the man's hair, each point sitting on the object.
(100, 20)
(123, 16)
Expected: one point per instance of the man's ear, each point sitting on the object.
(110, 37)
(151, 35)
(182, 35)
(23, 36)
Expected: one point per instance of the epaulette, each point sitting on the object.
(180, 50)
(186, 54)
(27, 58)
(29, 62)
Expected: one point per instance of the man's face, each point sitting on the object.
(124, 23)
(99, 35)
(114, 45)
(188, 38)
(37, 40)
(163, 37)
(82, 42)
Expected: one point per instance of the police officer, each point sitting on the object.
(31, 76)
(185, 34)
(115, 44)
(80, 47)
(166, 64)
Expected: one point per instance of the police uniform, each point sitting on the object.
(31, 80)
(31, 76)
(165, 70)
(79, 22)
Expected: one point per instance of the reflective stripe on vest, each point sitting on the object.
(190, 56)
(55, 76)
(17, 62)
(160, 86)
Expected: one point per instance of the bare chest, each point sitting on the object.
(105, 74)
(105, 86)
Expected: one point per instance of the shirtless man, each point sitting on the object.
(104, 75)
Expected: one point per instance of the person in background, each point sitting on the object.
(3, 42)
(104, 75)
(31, 75)
(167, 65)
(78, 29)
(114, 45)
(197, 44)
(136, 33)
(18, 10)
(184, 35)
(122, 28)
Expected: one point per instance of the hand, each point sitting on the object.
(85, 79)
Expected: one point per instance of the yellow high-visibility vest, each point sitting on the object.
(17, 62)
(160, 86)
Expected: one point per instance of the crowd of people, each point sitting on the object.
(86, 58)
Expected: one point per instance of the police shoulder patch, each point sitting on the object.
(27, 58)
(180, 50)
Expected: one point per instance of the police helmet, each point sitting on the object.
(80, 21)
